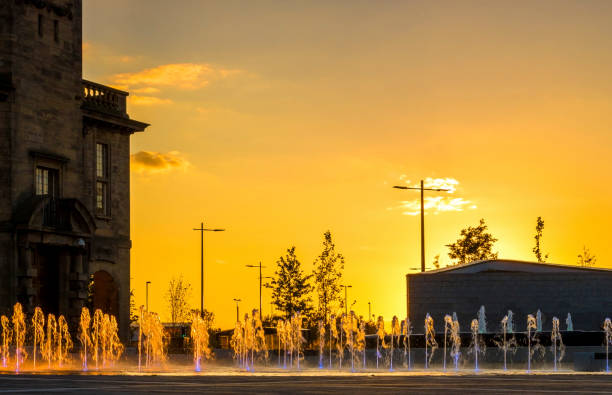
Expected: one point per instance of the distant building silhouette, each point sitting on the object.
(64, 169)
(501, 285)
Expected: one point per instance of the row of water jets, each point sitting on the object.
(52, 343)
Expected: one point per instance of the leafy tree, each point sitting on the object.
(290, 287)
(328, 273)
(177, 295)
(436, 261)
(473, 245)
(537, 250)
(586, 258)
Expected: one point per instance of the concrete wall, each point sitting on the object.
(587, 296)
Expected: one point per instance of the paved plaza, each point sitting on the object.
(350, 384)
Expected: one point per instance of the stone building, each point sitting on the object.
(502, 285)
(64, 169)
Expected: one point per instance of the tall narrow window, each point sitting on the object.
(47, 182)
(56, 31)
(40, 25)
(102, 195)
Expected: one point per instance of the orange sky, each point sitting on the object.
(279, 120)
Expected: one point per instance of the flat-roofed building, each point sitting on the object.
(502, 285)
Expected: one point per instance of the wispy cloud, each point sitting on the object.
(148, 100)
(435, 204)
(187, 76)
(157, 162)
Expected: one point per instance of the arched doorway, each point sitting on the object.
(105, 293)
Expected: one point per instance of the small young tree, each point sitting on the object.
(290, 287)
(177, 297)
(328, 273)
(436, 261)
(537, 250)
(586, 258)
(473, 245)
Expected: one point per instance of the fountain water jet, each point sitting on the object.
(380, 338)
(482, 322)
(199, 341)
(531, 324)
(6, 340)
(321, 327)
(476, 343)
(607, 326)
(556, 338)
(85, 338)
(395, 333)
(361, 341)
(19, 331)
(456, 339)
(51, 335)
(63, 341)
(38, 326)
(406, 332)
(448, 323)
(568, 322)
(333, 334)
(430, 339)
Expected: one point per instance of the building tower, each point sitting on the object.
(64, 169)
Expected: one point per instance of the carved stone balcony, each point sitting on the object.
(105, 99)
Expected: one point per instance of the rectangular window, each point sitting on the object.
(101, 160)
(101, 197)
(47, 182)
(102, 180)
(40, 25)
(56, 31)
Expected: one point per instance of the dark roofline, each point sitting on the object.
(530, 263)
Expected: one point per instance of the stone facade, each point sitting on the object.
(56, 232)
(523, 287)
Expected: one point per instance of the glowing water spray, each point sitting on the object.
(321, 327)
(430, 340)
(475, 343)
(482, 321)
(199, 341)
(531, 324)
(607, 326)
(448, 324)
(19, 332)
(380, 338)
(395, 333)
(63, 341)
(38, 326)
(556, 339)
(456, 341)
(7, 335)
(406, 332)
(85, 337)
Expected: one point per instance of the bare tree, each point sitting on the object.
(177, 295)
(586, 258)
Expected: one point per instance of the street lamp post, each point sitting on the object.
(237, 309)
(422, 189)
(346, 297)
(202, 230)
(369, 310)
(260, 284)
(147, 293)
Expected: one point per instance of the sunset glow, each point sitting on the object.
(280, 120)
